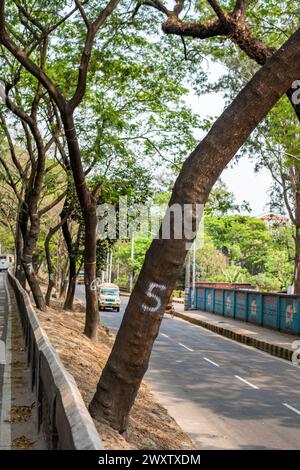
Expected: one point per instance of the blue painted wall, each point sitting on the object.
(280, 311)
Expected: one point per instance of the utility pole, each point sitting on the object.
(110, 266)
(107, 268)
(118, 271)
(194, 275)
(131, 259)
(187, 281)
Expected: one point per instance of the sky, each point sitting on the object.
(240, 178)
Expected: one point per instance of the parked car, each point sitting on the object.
(6, 261)
(80, 277)
(109, 297)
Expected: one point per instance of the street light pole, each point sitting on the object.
(194, 276)
(110, 266)
(187, 281)
(131, 259)
(107, 267)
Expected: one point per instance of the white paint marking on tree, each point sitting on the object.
(296, 94)
(154, 297)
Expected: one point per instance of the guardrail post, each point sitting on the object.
(247, 302)
(223, 302)
(234, 303)
(261, 303)
(213, 300)
(278, 310)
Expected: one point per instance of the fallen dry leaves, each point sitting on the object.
(151, 427)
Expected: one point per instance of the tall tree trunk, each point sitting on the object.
(73, 250)
(129, 358)
(91, 297)
(27, 260)
(64, 280)
(88, 204)
(50, 267)
(68, 305)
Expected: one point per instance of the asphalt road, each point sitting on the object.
(224, 394)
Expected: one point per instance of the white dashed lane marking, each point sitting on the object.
(211, 362)
(246, 382)
(186, 347)
(291, 408)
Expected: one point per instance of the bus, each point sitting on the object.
(6, 261)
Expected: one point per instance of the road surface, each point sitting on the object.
(224, 394)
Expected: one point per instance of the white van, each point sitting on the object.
(6, 261)
(109, 297)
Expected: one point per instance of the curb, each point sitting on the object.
(273, 349)
(63, 416)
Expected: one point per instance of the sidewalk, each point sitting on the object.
(272, 342)
(18, 408)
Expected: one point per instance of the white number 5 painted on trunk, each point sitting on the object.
(154, 297)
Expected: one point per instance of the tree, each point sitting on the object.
(240, 21)
(210, 263)
(277, 147)
(76, 41)
(30, 175)
(221, 201)
(129, 357)
(274, 146)
(244, 239)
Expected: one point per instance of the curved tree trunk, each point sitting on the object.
(88, 204)
(27, 261)
(129, 358)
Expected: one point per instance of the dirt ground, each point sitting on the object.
(151, 427)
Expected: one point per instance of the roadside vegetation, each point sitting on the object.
(95, 106)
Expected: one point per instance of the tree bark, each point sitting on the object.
(27, 260)
(19, 272)
(50, 267)
(88, 204)
(129, 358)
(72, 254)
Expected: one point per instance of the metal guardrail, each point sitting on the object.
(62, 415)
(275, 311)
